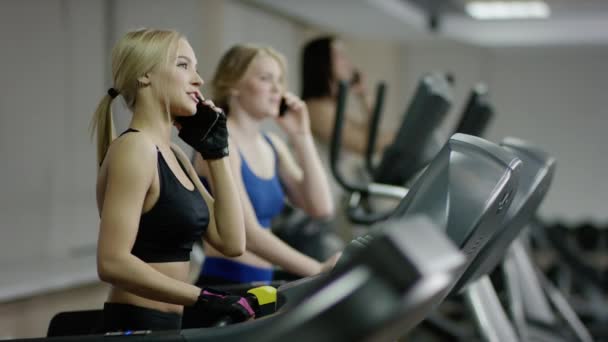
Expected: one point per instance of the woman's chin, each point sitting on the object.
(185, 112)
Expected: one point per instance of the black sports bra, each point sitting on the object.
(179, 218)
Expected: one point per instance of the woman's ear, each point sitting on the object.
(143, 81)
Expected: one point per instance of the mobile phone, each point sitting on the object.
(283, 107)
(204, 119)
(356, 77)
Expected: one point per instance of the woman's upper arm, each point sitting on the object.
(322, 120)
(290, 173)
(322, 114)
(130, 172)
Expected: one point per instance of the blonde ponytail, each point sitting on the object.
(135, 54)
(102, 124)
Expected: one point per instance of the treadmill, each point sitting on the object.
(402, 160)
(439, 191)
(379, 293)
(538, 308)
(536, 175)
(464, 214)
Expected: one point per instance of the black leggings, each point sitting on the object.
(123, 317)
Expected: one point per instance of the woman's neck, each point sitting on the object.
(154, 122)
(248, 127)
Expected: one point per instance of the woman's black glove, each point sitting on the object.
(206, 131)
(215, 307)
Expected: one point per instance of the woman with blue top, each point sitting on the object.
(249, 85)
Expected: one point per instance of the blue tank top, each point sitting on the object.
(265, 194)
(267, 198)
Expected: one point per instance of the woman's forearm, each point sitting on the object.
(227, 205)
(272, 249)
(366, 105)
(314, 184)
(133, 275)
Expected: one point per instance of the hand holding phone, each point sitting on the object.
(205, 131)
(356, 77)
(283, 107)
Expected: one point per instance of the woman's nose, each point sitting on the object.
(198, 80)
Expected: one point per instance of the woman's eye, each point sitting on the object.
(183, 65)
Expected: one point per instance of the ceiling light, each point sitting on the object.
(488, 10)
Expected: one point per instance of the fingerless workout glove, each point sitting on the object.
(205, 131)
(214, 306)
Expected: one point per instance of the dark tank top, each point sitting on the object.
(179, 218)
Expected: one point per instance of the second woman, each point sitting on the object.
(249, 85)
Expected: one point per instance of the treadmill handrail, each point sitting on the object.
(373, 129)
(353, 208)
(492, 321)
(387, 190)
(365, 189)
(357, 190)
(336, 141)
(356, 215)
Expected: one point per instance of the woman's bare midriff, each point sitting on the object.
(248, 258)
(175, 270)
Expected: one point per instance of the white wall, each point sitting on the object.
(245, 23)
(555, 97)
(380, 61)
(550, 96)
(51, 66)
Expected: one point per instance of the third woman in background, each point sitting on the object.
(324, 64)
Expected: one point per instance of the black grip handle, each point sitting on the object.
(374, 124)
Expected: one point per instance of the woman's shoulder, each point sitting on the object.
(277, 142)
(132, 148)
(320, 107)
(324, 101)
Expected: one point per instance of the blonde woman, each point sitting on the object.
(151, 203)
(249, 85)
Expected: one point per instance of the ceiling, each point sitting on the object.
(572, 22)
